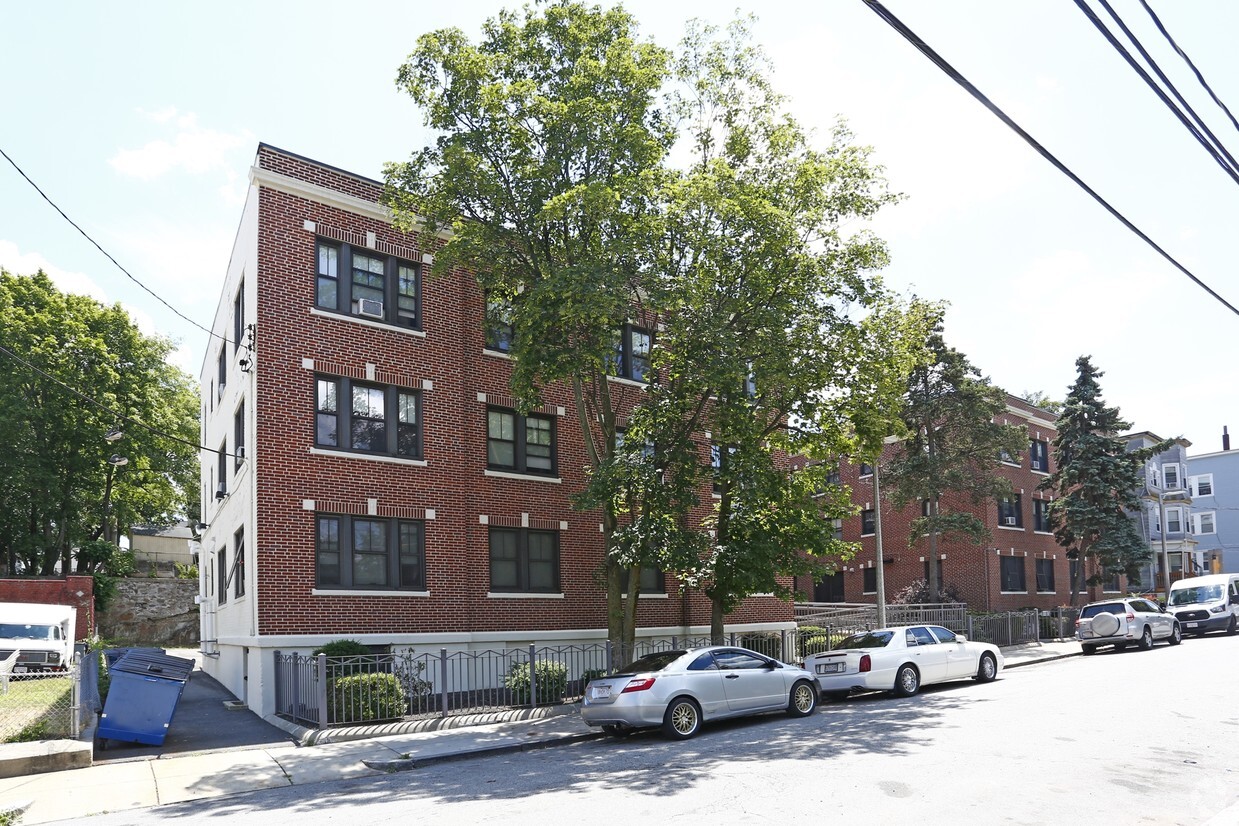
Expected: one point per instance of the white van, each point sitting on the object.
(42, 633)
(1206, 603)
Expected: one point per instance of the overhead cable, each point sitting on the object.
(950, 71)
(107, 254)
(1157, 22)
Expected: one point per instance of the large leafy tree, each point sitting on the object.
(1096, 479)
(60, 490)
(954, 443)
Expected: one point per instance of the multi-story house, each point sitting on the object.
(1213, 484)
(1166, 518)
(370, 476)
(1020, 566)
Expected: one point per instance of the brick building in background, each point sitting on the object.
(1019, 566)
(371, 478)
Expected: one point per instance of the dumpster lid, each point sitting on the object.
(155, 665)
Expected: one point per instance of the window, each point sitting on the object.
(521, 444)
(870, 583)
(376, 418)
(944, 635)
(238, 563)
(499, 330)
(222, 460)
(651, 581)
(837, 524)
(1110, 581)
(1010, 513)
(238, 317)
(1201, 485)
(1174, 520)
(223, 575)
(524, 561)
(866, 469)
(238, 435)
(365, 552)
(1039, 456)
(917, 636)
(941, 571)
(222, 372)
(1041, 515)
(632, 353)
(1045, 576)
(1170, 476)
(867, 522)
(1011, 572)
(379, 287)
(1073, 567)
(1203, 523)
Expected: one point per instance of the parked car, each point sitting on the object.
(679, 690)
(1206, 603)
(902, 659)
(1121, 621)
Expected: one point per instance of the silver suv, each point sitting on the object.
(1125, 620)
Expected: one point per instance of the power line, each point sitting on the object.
(107, 254)
(1211, 144)
(120, 416)
(1157, 22)
(950, 71)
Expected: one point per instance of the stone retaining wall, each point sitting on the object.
(154, 612)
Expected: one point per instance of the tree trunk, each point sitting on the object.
(716, 622)
(932, 555)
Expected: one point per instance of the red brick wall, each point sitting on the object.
(453, 483)
(78, 591)
(974, 570)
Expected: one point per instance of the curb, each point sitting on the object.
(304, 736)
(411, 763)
(1046, 659)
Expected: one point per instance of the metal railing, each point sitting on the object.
(862, 616)
(1009, 628)
(320, 691)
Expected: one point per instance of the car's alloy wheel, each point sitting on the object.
(1146, 639)
(803, 699)
(907, 680)
(1176, 636)
(682, 720)
(988, 669)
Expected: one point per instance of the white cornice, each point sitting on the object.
(1030, 418)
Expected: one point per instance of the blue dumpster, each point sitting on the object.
(111, 655)
(145, 689)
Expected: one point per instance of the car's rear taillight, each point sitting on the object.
(643, 684)
(866, 664)
(1077, 622)
(1131, 617)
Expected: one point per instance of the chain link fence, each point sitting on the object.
(49, 705)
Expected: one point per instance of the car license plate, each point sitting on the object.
(600, 692)
(1191, 625)
(829, 668)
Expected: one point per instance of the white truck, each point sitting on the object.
(43, 634)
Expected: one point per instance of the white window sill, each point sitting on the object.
(1044, 533)
(646, 596)
(333, 592)
(864, 535)
(498, 354)
(528, 477)
(366, 322)
(1013, 592)
(1036, 472)
(1012, 464)
(520, 595)
(629, 382)
(369, 457)
(1010, 528)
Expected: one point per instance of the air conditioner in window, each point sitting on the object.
(369, 307)
(1009, 520)
(240, 453)
(221, 491)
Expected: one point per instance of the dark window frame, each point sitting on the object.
(222, 469)
(868, 522)
(346, 552)
(1011, 505)
(238, 317)
(1039, 455)
(653, 581)
(238, 435)
(344, 424)
(520, 443)
(1041, 515)
(869, 580)
(497, 325)
(626, 361)
(238, 563)
(343, 280)
(523, 577)
(1045, 575)
(223, 576)
(1011, 574)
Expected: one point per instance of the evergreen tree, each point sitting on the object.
(1096, 478)
(954, 444)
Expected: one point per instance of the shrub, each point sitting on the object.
(365, 698)
(592, 674)
(184, 571)
(918, 592)
(32, 733)
(342, 648)
(769, 644)
(552, 678)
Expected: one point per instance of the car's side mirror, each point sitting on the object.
(960, 638)
(1162, 607)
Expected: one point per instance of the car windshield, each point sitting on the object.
(1196, 594)
(867, 639)
(21, 631)
(653, 662)
(1103, 608)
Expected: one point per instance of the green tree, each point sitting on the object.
(547, 170)
(1038, 398)
(1096, 479)
(60, 489)
(954, 444)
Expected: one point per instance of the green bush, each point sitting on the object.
(365, 698)
(552, 678)
(32, 733)
(184, 571)
(592, 674)
(769, 644)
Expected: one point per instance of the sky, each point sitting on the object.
(141, 121)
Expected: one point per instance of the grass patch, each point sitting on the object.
(35, 708)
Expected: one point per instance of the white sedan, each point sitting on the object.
(902, 659)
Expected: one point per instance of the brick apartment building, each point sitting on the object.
(372, 479)
(1020, 566)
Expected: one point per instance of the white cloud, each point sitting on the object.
(183, 263)
(19, 263)
(193, 148)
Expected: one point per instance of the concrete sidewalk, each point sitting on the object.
(139, 783)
